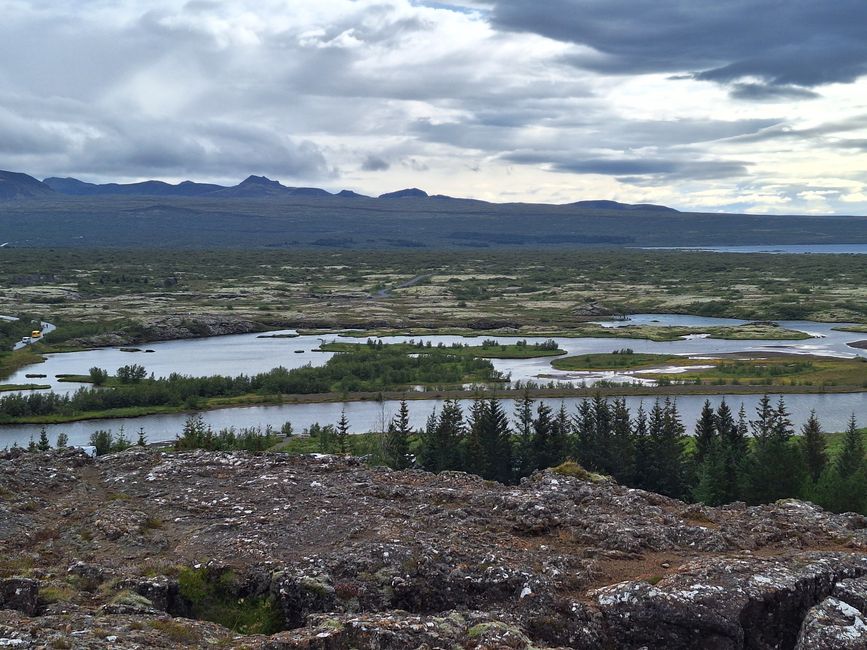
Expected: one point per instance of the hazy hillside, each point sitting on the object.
(260, 212)
(21, 186)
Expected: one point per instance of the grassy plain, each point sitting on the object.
(775, 370)
(731, 370)
(91, 293)
(476, 351)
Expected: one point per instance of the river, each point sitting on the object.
(251, 353)
(834, 411)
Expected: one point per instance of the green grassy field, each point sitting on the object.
(777, 370)
(5, 388)
(92, 294)
(616, 361)
(477, 351)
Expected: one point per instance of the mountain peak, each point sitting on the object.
(260, 180)
(15, 185)
(411, 193)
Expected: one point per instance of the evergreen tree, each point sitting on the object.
(397, 439)
(62, 441)
(142, 438)
(843, 485)
(474, 460)
(121, 442)
(622, 445)
(543, 449)
(813, 447)
(496, 443)
(668, 452)
(763, 425)
(724, 422)
(851, 457)
(642, 443)
(343, 432)
(561, 433)
(741, 432)
(43, 444)
(585, 435)
(776, 467)
(705, 433)
(31, 446)
(782, 424)
(712, 476)
(601, 448)
(654, 436)
(441, 439)
(523, 415)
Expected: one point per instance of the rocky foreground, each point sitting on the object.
(134, 549)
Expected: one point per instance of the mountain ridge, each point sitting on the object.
(17, 185)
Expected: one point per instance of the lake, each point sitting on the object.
(819, 249)
(250, 354)
(834, 411)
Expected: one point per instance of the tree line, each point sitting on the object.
(354, 371)
(729, 457)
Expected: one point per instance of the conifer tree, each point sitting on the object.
(43, 444)
(343, 432)
(62, 441)
(843, 485)
(441, 441)
(850, 460)
(397, 439)
(776, 467)
(585, 434)
(668, 452)
(741, 432)
(543, 425)
(622, 445)
(763, 425)
(601, 443)
(641, 437)
(705, 433)
(474, 460)
(496, 442)
(813, 447)
(142, 438)
(782, 424)
(523, 456)
(561, 434)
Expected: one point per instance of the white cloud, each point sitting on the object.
(380, 94)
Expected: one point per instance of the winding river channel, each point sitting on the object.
(253, 353)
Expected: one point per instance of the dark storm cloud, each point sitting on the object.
(375, 164)
(761, 92)
(791, 44)
(214, 148)
(603, 131)
(634, 169)
(816, 133)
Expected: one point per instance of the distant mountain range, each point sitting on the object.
(14, 185)
(262, 213)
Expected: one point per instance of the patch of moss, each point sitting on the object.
(56, 594)
(573, 469)
(214, 596)
(177, 632)
(495, 627)
(131, 599)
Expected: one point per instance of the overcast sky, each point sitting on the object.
(736, 105)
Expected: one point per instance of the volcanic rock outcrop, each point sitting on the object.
(159, 549)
